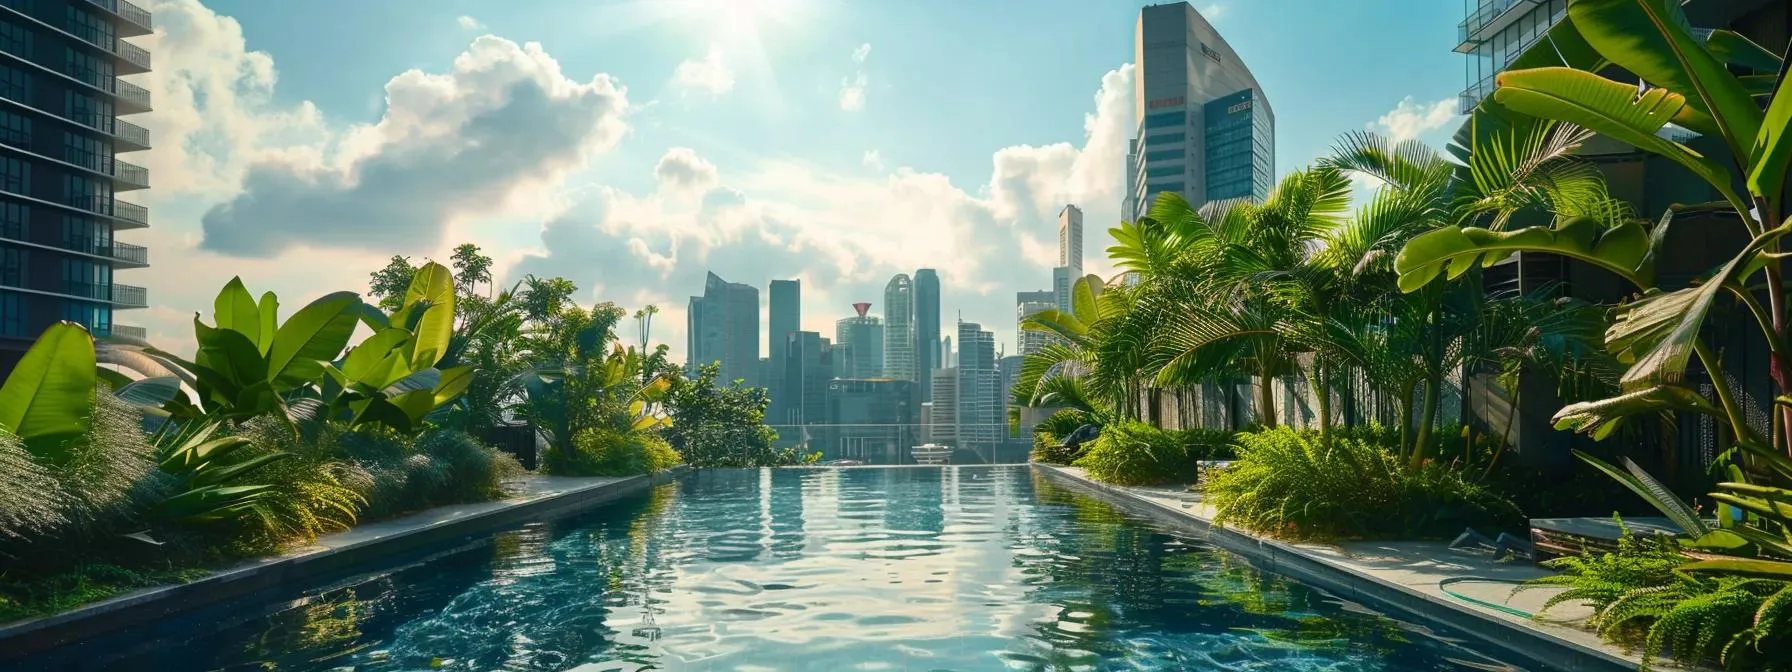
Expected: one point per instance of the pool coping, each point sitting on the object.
(21, 639)
(1510, 640)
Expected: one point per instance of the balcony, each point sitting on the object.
(136, 22)
(129, 296)
(127, 331)
(129, 215)
(132, 55)
(132, 99)
(130, 175)
(127, 254)
(1490, 18)
(131, 212)
(131, 137)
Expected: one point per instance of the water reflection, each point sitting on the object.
(902, 568)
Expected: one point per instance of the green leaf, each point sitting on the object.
(455, 380)
(269, 310)
(48, 398)
(221, 475)
(1454, 250)
(1669, 505)
(1607, 107)
(426, 379)
(235, 310)
(1731, 47)
(432, 292)
(1085, 299)
(1651, 39)
(359, 365)
(1600, 418)
(1772, 152)
(150, 392)
(230, 354)
(1665, 360)
(374, 318)
(315, 334)
(1767, 569)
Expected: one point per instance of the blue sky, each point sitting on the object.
(631, 145)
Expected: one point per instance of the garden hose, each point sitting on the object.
(1446, 583)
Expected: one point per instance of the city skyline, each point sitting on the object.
(678, 165)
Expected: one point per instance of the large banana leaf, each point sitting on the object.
(1731, 47)
(1772, 150)
(48, 398)
(1651, 39)
(1766, 569)
(235, 309)
(316, 333)
(269, 312)
(1652, 491)
(1607, 107)
(429, 302)
(230, 354)
(1665, 360)
(1600, 418)
(1624, 250)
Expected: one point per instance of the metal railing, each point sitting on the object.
(136, 254)
(138, 16)
(132, 53)
(131, 93)
(130, 173)
(89, 290)
(130, 212)
(129, 296)
(128, 331)
(131, 133)
(1482, 16)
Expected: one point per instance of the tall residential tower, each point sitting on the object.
(1205, 129)
(60, 99)
(927, 330)
(899, 328)
(723, 326)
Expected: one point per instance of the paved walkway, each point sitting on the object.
(1416, 567)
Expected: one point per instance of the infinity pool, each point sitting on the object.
(969, 568)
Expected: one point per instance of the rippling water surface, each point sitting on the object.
(961, 568)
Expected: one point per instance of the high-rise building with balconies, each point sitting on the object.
(61, 96)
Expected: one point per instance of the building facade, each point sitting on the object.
(874, 420)
(860, 342)
(806, 372)
(899, 328)
(982, 413)
(786, 315)
(1195, 103)
(1070, 239)
(942, 421)
(1028, 304)
(927, 329)
(61, 96)
(723, 327)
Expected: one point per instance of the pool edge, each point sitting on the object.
(22, 639)
(1507, 640)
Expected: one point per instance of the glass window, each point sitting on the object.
(88, 109)
(88, 68)
(89, 26)
(87, 151)
(15, 220)
(87, 192)
(1165, 138)
(15, 83)
(14, 39)
(86, 234)
(1166, 119)
(15, 174)
(15, 128)
(12, 266)
(1163, 154)
(12, 314)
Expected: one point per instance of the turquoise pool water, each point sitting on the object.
(971, 568)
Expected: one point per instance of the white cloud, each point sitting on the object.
(852, 89)
(469, 23)
(1213, 11)
(709, 74)
(1412, 119)
(682, 170)
(872, 160)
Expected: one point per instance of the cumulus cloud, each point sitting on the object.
(683, 171)
(709, 74)
(502, 119)
(872, 160)
(852, 89)
(1411, 119)
(1213, 11)
(469, 23)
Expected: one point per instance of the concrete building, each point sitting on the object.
(860, 341)
(982, 414)
(1205, 130)
(1027, 304)
(927, 329)
(786, 315)
(723, 326)
(62, 91)
(806, 372)
(1070, 239)
(875, 420)
(899, 328)
(942, 422)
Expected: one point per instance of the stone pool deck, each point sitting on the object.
(532, 498)
(1400, 578)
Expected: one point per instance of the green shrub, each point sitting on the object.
(397, 474)
(1283, 483)
(1135, 453)
(50, 513)
(1206, 444)
(1048, 436)
(601, 451)
(474, 472)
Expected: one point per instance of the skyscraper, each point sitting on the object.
(1062, 282)
(786, 315)
(899, 328)
(927, 329)
(723, 326)
(861, 342)
(1205, 129)
(1070, 239)
(1027, 304)
(981, 411)
(942, 421)
(60, 68)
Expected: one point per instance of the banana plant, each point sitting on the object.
(208, 471)
(391, 377)
(47, 400)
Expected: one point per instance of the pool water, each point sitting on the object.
(957, 568)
